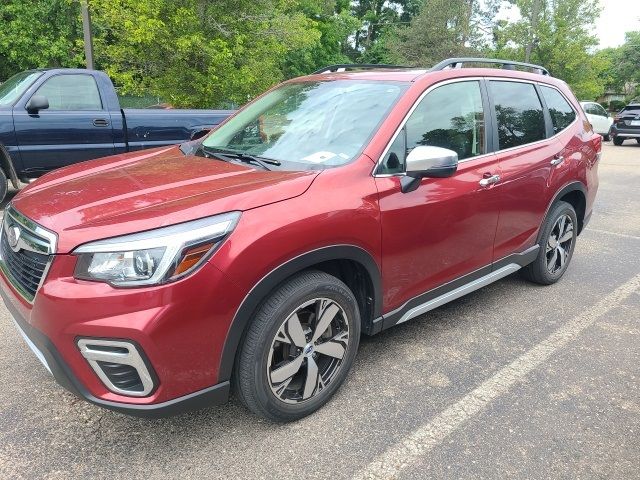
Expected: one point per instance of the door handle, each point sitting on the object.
(485, 182)
(101, 122)
(557, 160)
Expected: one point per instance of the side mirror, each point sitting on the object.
(428, 161)
(37, 103)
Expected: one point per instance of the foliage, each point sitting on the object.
(219, 53)
(616, 105)
(39, 33)
(443, 28)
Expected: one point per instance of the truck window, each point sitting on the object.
(71, 92)
(13, 88)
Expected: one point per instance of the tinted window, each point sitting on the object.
(561, 112)
(592, 108)
(519, 113)
(451, 117)
(71, 92)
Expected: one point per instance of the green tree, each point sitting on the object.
(199, 53)
(442, 29)
(39, 33)
(558, 35)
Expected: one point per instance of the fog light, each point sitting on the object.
(119, 365)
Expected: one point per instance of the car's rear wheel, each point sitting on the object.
(557, 242)
(618, 141)
(606, 137)
(299, 347)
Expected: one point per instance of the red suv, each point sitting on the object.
(334, 205)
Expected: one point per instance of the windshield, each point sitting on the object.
(12, 89)
(311, 124)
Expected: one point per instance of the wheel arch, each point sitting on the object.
(574, 193)
(7, 166)
(352, 264)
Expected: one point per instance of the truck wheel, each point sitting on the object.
(299, 348)
(618, 141)
(557, 242)
(4, 185)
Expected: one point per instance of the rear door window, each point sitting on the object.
(562, 113)
(518, 112)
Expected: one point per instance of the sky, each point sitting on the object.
(617, 17)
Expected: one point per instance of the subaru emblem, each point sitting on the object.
(13, 237)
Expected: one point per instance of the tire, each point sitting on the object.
(4, 185)
(638, 140)
(606, 138)
(275, 345)
(618, 141)
(554, 257)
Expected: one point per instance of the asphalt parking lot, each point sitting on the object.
(512, 381)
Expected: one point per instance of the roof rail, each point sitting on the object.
(341, 67)
(506, 64)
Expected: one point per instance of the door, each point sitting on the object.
(533, 160)
(445, 228)
(75, 127)
(599, 118)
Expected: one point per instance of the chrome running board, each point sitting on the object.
(460, 291)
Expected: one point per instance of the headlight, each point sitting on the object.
(156, 256)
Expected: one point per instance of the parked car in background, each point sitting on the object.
(598, 117)
(626, 124)
(337, 204)
(52, 118)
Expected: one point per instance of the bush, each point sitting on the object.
(616, 105)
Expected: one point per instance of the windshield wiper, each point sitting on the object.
(228, 155)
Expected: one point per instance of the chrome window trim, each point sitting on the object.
(465, 79)
(37, 231)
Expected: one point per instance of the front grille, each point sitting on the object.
(25, 252)
(26, 268)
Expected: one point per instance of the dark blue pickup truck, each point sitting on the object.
(55, 117)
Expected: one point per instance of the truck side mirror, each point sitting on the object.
(37, 103)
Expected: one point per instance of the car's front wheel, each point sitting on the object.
(557, 242)
(299, 347)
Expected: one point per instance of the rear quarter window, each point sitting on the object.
(562, 113)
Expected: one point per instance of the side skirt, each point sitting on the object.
(458, 288)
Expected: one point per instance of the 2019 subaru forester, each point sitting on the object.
(335, 205)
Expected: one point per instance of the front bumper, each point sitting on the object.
(180, 327)
(51, 359)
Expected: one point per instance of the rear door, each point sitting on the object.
(75, 127)
(536, 148)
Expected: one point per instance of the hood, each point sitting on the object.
(149, 189)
